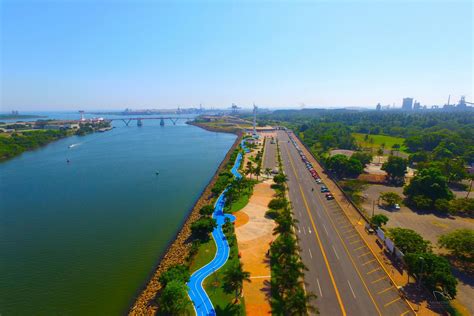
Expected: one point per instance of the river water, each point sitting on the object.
(81, 238)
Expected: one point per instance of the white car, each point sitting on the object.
(396, 207)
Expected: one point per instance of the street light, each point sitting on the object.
(422, 260)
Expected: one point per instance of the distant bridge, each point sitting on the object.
(140, 119)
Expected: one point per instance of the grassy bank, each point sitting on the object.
(375, 142)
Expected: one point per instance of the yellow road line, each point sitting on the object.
(359, 248)
(349, 254)
(383, 291)
(365, 241)
(341, 304)
(352, 236)
(372, 271)
(355, 241)
(390, 303)
(364, 254)
(380, 279)
(404, 313)
(366, 263)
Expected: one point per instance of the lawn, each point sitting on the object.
(240, 203)
(205, 254)
(375, 141)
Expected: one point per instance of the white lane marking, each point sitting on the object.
(351, 288)
(304, 231)
(318, 214)
(320, 292)
(310, 254)
(299, 230)
(309, 230)
(335, 252)
(324, 226)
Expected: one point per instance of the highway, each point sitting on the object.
(342, 271)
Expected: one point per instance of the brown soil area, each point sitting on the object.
(177, 252)
(241, 218)
(254, 239)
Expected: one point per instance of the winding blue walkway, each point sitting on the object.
(202, 303)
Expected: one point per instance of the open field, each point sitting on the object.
(375, 141)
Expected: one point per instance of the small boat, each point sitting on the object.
(157, 172)
(67, 160)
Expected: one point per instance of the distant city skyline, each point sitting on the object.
(111, 55)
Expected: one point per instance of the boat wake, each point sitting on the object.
(73, 145)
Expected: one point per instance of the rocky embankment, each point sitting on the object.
(178, 250)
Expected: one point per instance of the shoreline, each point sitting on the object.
(178, 247)
(231, 130)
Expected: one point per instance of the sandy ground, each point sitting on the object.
(428, 225)
(254, 234)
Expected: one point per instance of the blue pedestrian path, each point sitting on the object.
(201, 301)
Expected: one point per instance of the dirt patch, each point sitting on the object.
(241, 218)
(254, 240)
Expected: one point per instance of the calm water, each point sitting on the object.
(81, 238)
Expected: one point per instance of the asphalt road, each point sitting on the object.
(342, 271)
(269, 157)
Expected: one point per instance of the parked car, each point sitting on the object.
(324, 189)
(329, 196)
(318, 181)
(396, 207)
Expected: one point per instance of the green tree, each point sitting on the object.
(298, 302)
(408, 241)
(364, 157)
(174, 298)
(280, 178)
(268, 172)
(203, 227)
(379, 220)
(285, 223)
(176, 272)
(395, 167)
(431, 185)
(344, 167)
(434, 271)
(249, 169)
(459, 242)
(206, 210)
(277, 204)
(390, 198)
(234, 278)
(257, 171)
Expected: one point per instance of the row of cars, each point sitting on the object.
(311, 170)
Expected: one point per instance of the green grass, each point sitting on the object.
(240, 203)
(378, 140)
(205, 254)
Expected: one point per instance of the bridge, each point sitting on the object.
(139, 120)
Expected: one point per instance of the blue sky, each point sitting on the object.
(156, 54)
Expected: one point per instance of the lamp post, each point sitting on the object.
(422, 261)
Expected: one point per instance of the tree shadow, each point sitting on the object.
(229, 310)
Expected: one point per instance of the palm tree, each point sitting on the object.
(249, 169)
(284, 223)
(234, 278)
(298, 302)
(268, 172)
(257, 171)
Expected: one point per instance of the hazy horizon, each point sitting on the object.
(116, 55)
